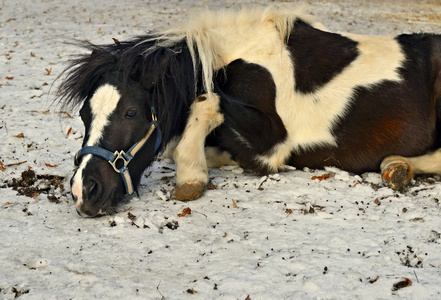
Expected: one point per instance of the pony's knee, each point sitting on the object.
(397, 171)
(205, 113)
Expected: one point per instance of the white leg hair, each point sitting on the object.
(217, 158)
(170, 148)
(399, 170)
(192, 170)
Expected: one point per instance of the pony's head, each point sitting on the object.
(133, 100)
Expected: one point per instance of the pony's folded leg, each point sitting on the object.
(192, 172)
(397, 171)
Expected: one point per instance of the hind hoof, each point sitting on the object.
(189, 191)
(396, 175)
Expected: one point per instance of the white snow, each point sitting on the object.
(284, 236)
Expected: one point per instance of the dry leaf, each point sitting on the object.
(66, 113)
(69, 131)
(234, 203)
(191, 291)
(48, 71)
(35, 196)
(186, 211)
(288, 211)
(51, 166)
(116, 41)
(46, 111)
(322, 177)
(20, 136)
(9, 77)
(2, 166)
(16, 164)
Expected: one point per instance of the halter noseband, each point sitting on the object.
(112, 158)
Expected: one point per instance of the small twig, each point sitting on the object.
(416, 276)
(201, 213)
(16, 164)
(162, 296)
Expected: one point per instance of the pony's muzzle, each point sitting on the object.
(88, 203)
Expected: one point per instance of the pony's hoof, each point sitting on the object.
(396, 175)
(189, 191)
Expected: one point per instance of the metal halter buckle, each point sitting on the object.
(119, 155)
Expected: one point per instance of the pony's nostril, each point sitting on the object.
(92, 188)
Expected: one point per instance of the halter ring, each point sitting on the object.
(118, 155)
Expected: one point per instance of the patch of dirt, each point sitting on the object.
(427, 178)
(31, 185)
(410, 259)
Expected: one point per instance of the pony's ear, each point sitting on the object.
(95, 53)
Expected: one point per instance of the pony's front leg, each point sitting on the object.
(189, 156)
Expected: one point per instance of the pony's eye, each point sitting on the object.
(130, 114)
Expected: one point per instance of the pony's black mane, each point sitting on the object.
(166, 71)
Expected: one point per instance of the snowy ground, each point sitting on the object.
(285, 236)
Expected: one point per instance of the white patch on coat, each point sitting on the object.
(103, 103)
(214, 156)
(310, 118)
(217, 158)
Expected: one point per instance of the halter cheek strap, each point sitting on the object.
(114, 157)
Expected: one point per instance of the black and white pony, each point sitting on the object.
(257, 87)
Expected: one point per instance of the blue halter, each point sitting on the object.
(112, 158)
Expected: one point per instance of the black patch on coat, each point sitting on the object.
(252, 126)
(318, 56)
